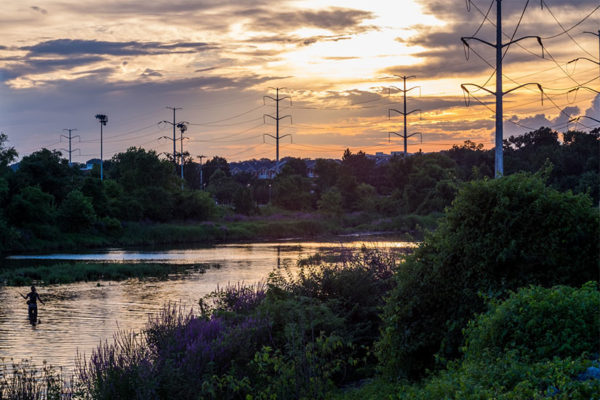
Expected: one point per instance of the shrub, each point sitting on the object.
(76, 213)
(539, 324)
(498, 235)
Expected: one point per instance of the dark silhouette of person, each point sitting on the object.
(32, 298)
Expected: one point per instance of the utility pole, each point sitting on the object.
(201, 180)
(277, 118)
(499, 161)
(182, 126)
(404, 113)
(70, 138)
(103, 119)
(174, 137)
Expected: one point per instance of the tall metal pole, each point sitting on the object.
(174, 159)
(201, 178)
(70, 139)
(277, 130)
(499, 160)
(103, 119)
(174, 123)
(182, 128)
(404, 114)
(277, 118)
(101, 154)
(499, 93)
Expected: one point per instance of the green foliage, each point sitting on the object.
(94, 189)
(326, 172)
(331, 203)
(216, 163)
(539, 324)
(294, 166)
(243, 201)
(292, 192)
(76, 212)
(7, 154)
(31, 206)
(85, 272)
(222, 187)
(48, 170)
(138, 168)
(194, 205)
(498, 235)
(507, 378)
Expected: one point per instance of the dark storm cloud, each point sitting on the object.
(161, 7)
(332, 19)
(132, 48)
(37, 66)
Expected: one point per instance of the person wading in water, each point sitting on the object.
(32, 298)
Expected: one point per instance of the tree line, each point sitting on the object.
(45, 197)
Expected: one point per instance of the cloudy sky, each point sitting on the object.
(63, 61)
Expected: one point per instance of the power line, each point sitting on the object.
(566, 31)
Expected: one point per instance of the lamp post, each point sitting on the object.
(103, 119)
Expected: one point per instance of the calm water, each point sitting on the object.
(76, 317)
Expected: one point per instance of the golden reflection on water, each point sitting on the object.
(78, 316)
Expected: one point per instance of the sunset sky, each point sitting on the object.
(63, 61)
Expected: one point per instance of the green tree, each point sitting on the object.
(138, 168)
(498, 235)
(294, 166)
(326, 172)
(7, 154)
(31, 206)
(76, 212)
(243, 201)
(331, 203)
(292, 192)
(48, 170)
(209, 168)
(358, 165)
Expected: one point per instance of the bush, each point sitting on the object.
(76, 212)
(195, 205)
(539, 324)
(498, 235)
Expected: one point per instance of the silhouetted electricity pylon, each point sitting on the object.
(277, 118)
(404, 113)
(174, 124)
(499, 162)
(70, 138)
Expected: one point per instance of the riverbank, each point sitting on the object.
(298, 226)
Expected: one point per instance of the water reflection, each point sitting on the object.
(78, 316)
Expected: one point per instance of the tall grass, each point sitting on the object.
(23, 381)
(84, 272)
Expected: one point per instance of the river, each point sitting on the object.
(77, 317)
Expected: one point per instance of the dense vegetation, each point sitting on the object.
(500, 301)
(48, 204)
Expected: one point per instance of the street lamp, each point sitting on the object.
(103, 119)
